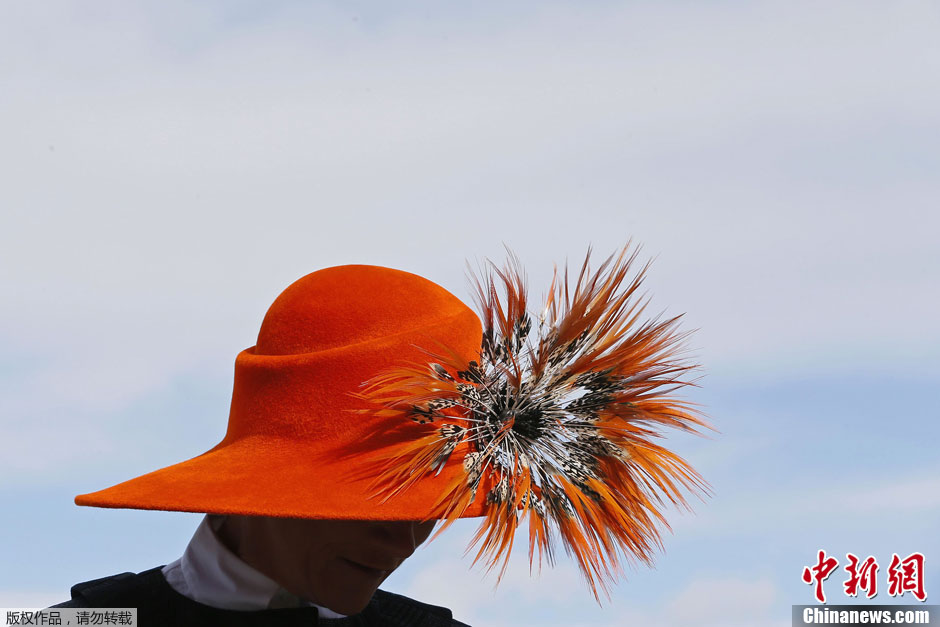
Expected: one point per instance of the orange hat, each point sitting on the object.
(375, 394)
(285, 453)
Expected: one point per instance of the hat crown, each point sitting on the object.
(350, 304)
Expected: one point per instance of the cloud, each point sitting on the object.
(908, 494)
(727, 602)
(179, 165)
(898, 499)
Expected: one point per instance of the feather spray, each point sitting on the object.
(558, 420)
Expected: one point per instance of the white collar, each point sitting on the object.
(209, 573)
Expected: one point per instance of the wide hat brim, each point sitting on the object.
(259, 476)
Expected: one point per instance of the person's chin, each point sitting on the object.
(352, 587)
(351, 602)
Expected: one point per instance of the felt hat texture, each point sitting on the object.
(293, 419)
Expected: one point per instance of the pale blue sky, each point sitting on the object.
(170, 168)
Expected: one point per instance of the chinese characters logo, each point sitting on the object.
(903, 575)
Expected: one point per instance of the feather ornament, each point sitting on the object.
(557, 420)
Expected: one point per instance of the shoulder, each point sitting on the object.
(91, 593)
(408, 611)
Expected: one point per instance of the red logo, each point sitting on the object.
(904, 575)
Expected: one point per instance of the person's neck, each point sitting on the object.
(233, 536)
